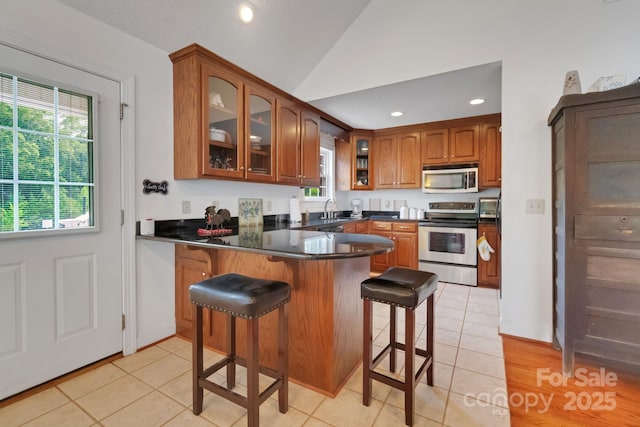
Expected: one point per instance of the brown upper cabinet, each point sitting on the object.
(490, 168)
(298, 145)
(230, 124)
(310, 150)
(288, 142)
(458, 144)
(397, 160)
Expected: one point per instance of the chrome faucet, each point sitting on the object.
(326, 214)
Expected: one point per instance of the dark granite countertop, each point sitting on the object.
(274, 239)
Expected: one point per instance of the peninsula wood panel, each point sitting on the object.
(325, 315)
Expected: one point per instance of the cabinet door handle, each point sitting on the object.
(241, 168)
(204, 273)
(249, 169)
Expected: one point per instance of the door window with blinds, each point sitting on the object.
(46, 157)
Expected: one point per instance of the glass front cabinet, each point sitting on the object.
(239, 131)
(229, 124)
(362, 178)
(260, 125)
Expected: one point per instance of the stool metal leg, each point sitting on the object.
(231, 351)
(430, 347)
(197, 359)
(253, 392)
(393, 337)
(283, 357)
(367, 339)
(409, 376)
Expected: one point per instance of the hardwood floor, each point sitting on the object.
(540, 396)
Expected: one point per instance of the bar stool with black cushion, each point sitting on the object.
(404, 288)
(248, 298)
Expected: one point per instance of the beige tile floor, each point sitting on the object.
(153, 387)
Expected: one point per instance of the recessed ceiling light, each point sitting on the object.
(246, 13)
(476, 101)
(397, 114)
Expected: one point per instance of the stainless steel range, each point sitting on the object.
(447, 242)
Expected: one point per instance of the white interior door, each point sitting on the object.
(61, 292)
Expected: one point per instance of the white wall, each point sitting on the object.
(537, 42)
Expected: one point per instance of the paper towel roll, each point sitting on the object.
(147, 227)
(295, 215)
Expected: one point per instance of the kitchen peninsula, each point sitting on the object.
(325, 313)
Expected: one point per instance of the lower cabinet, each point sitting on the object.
(405, 236)
(358, 227)
(191, 266)
(489, 271)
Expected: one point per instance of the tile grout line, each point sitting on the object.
(453, 372)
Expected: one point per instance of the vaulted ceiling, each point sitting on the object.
(284, 43)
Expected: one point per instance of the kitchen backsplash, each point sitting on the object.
(202, 193)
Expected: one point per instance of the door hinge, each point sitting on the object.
(121, 216)
(122, 105)
(123, 322)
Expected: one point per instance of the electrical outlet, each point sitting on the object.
(267, 206)
(186, 207)
(535, 206)
(216, 204)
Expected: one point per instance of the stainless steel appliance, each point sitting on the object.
(447, 242)
(488, 207)
(456, 179)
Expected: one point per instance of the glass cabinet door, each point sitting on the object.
(362, 179)
(223, 155)
(261, 135)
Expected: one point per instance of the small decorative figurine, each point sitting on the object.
(215, 219)
(572, 83)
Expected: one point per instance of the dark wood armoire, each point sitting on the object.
(596, 219)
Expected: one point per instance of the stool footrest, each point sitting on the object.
(236, 398)
(392, 381)
(397, 384)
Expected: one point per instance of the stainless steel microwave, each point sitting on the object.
(463, 179)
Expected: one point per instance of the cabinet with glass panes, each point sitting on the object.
(362, 167)
(224, 123)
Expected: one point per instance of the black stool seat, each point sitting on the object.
(249, 298)
(240, 296)
(400, 286)
(407, 289)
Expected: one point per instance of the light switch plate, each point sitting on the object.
(535, 206)
(186, 207)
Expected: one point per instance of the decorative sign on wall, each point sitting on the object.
(149, 186)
